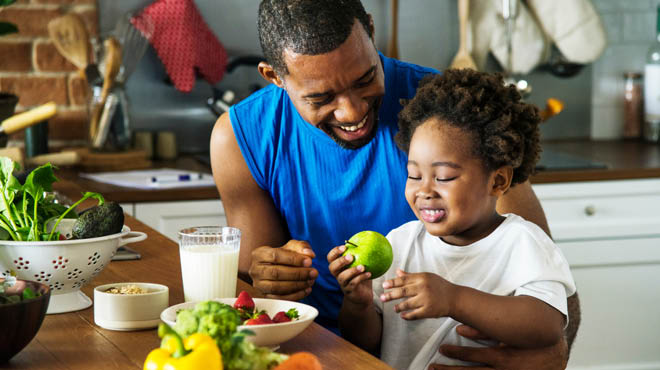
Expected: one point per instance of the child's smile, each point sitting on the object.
(448, 187)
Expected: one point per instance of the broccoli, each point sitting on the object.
(186, 323)
(221, 321)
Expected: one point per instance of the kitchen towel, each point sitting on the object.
(184, 42)
(574, 26)
(489, 36)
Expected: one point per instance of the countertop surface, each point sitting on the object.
(622, 160)
(73, 341)
(615, 160)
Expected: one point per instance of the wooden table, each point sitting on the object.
(73, 341)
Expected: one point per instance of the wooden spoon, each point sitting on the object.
(71, 39)
(392, 46)
(112, 65)
(463, 58)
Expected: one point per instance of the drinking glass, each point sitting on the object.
(209, 262)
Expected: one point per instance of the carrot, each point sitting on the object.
(300, 361)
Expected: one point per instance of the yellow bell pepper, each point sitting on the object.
(198, 351)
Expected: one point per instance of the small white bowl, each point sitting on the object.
(130, 311)
(266, 335)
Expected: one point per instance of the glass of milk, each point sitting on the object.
(209, 262)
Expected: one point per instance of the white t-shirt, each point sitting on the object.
(518, 258)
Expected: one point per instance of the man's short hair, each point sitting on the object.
(308, 27)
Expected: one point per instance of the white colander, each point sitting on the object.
(64, 265)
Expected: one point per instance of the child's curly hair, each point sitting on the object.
(505, 129)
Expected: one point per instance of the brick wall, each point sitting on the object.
(34, 70)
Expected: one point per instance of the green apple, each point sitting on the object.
(371, 250)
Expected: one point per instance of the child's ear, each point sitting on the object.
(501, 180)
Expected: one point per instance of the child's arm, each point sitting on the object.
(519, 321)
(361, 325)
(359, 321)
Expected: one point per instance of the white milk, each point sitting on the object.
(208, 272)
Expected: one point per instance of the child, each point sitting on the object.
(468, 138)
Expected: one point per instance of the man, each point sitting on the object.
(308, 161)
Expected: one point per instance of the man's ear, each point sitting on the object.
(372, 29)
(268, 73)
(501, 180)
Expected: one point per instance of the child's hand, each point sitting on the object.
(354, 282)
(428, 295)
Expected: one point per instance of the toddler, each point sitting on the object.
(469, 139)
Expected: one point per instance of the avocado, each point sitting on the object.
(102, 220)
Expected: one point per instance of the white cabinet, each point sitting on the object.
(170, 217)
(609, 232)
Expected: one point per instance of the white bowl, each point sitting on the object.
(64, 265)
(266, 335)
(130, 311)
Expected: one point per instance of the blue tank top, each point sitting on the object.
(324, 192)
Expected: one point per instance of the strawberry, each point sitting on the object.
(286, 316)
(260, 319)
(244, 304)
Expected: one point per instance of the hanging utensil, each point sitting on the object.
(463, 58)
(112, 65)
(133, 41)
(134, 44)
(509, 13)
(393, 44)
(71, 39)
(26, 119)
(559, 66)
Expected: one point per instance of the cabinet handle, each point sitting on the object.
(589, 210)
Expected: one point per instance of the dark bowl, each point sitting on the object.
(21, 321)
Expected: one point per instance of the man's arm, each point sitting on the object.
(521, 200)
(278, 272)
(248, 207)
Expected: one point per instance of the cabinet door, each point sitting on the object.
(601, 209)
(609, 232)
(170, 217)
(618, 285)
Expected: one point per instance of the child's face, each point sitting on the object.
(448, 188)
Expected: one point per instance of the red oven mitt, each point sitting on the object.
(184, 42)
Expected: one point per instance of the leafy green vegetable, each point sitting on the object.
(25, 210)
(11, 292)
(220, 321)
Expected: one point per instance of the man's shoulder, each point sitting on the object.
(266, 96)
(401, 66)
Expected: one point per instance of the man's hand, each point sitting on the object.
(285, 272)
(504, 357)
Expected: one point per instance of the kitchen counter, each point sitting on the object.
(623, 160)
(72, 340)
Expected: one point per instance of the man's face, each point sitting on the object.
(448, 187)
(340, 91)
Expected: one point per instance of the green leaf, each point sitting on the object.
(39, 180)
(6, 2)
(6, 28)
(28, 293)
